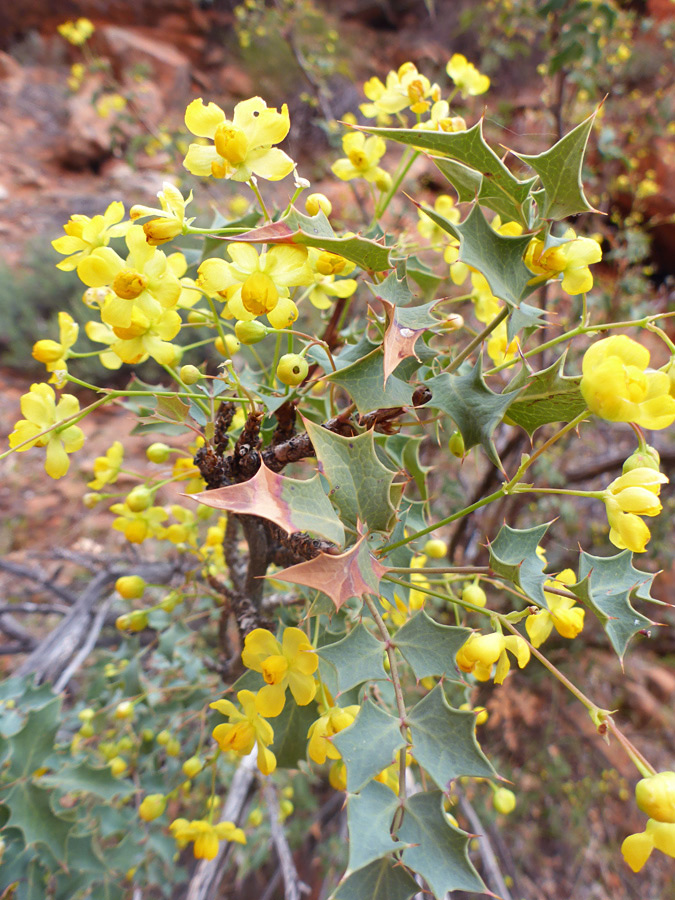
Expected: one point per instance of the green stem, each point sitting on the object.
(468, 350)
(407, 160)
(176, 377)
(254, 187)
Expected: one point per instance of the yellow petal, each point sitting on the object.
(203, 120)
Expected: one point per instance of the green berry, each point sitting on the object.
(456, 444)
(292, 369)
(504, 801)
(435, 548)
(139, 499)
(158, 452)
(250, 332)
(190, 375)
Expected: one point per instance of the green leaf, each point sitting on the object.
(82, 856)
(466, 181)
(496, 256)
(499, 190)
(357, 658)
(31, 812)
(605, 585)
(364, 382)
(381, 880)
(90, 780)
(404, 450)
(440, 853)
(524, 318)
(473, 407)
(290, 733)
(559, 169)
(369, 817)
(291, 504)
(369, 744)
(513, 556)
(316, 231)
(359, 483)
(444, 740)
(545, 397)
(32, 745)
(430, 648)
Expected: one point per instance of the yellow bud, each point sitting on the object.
(47, 351)
(163, 738)
(90, 499)
(474, 593)
(124, 710)
(655, 796)
(118, 766)
(158, 452)
(152, 807)
(159, 231)
(316, 202)
(138, 499)
(192, 766)
(435, 548)
(172, 747)
(190, 375)
(504, 801)
(231, 344)
(130, 587)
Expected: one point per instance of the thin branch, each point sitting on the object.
(32, 608)
(493, 874)
(293, 887)
(38, 577)
(85, 649)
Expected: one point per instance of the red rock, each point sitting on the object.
(127, 47)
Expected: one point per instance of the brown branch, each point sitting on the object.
(38, 577)
(293, 886)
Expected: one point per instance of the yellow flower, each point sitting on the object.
(101, 333)
(562, 614)
(637, 848)
(402, 89)
(466, 76)
(145, 337)
(253, 284)
(486, 306)
(618, 385)
(143, 281)
(655, 796)
(55, 353)
(632, 495)
(498, 347)
(480, 651)
(190, 292)
(244, 730)
(41, 412)
(331, 722)
(326, 266)
(243, 146)
(137, 526)
(83, 235)
(363, 156)
(107, 468)
(78, 32)
(289, 664)
(570, 259)
(205, 835)
(441, 120)
(169, 220)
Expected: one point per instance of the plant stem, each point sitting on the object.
(468, 350)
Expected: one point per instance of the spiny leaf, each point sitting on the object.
(31, 812)
(342, 576)
(544, 397)
(430, 648)
(360, 485)
(290, 733)
(29, 747)
(524, 319)
(369, 817)
(393, 289)
(440, 853)
(364, 382)
(513, 556)
(444, 740)
(466, 181)
(605, 585)
(560, 171)
(291, 504)
(358, 657)
(369, 744)
(85, 778)
(473, 407)
(500, 190)
(383, 879)
(315, 231)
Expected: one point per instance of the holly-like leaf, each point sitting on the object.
(291, 504)
(29, 747)
(466, 181)
(364, 382)
(358, 657)
(496, 256)
(444, 740)
(499, 189)
(369, 817)
(394, 289)
(559, 169)
(513, 556)
(85, 778)
(341, 576)
(473, 407)
(524, 319)
(544, 397)
(172, 408)
(440, 853)
(360, 484)
(369, 744)
(605, 585)
(316, 231)
(30, 811)
(381, 880)
(430, 648)
(290, 733)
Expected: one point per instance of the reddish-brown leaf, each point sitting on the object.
(341, 577)
(399, 340)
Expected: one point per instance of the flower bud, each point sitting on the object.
(504, 801)
(190, 375)
(435, 548)
(456, 444)
(86, 730)
(152, 807)
(227, 348)
(124, 710)
(118, 766)
(474, 593)
(163, 738)
(643, 458)
(250, 332)
(192, 766)
(139, 499)
(130, 587)
(158, 452)
(655, 796)
(172, 747)
(86, 715)
(316, 202)
(170, 602)
(255, 817)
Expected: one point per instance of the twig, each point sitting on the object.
(206, 880)
(31, 608)
(38, 577)
(85, 649)
(293, 887)
(493, 874)
(12, 629)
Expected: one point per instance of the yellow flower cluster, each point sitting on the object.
(77, 32)
(481, 651)
(205, 836)
(562, 614)
(655, 796)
